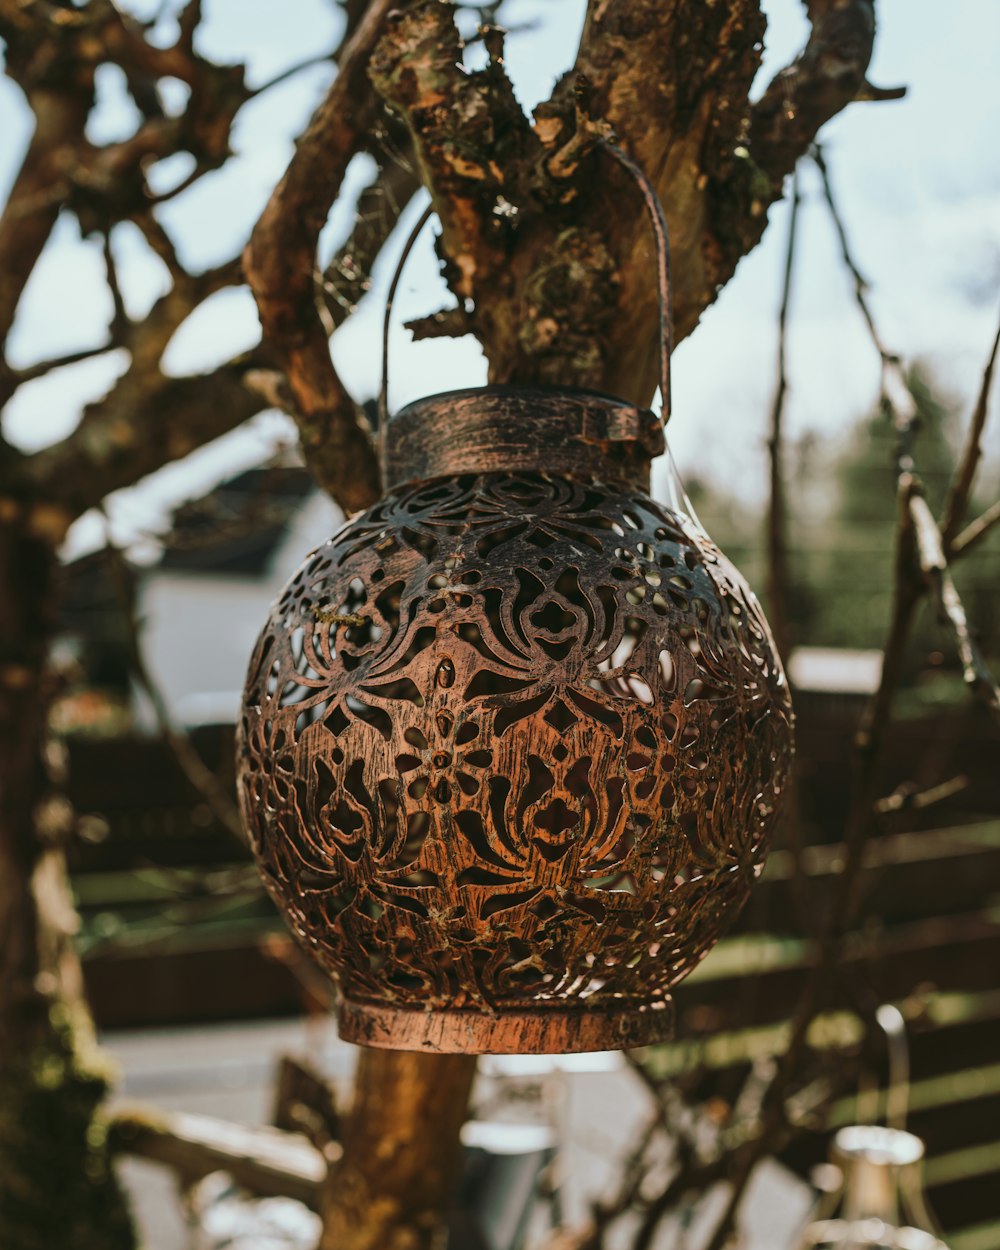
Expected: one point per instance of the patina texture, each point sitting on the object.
(511, 748)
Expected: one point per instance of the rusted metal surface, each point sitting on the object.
(501, 429)
(512, 743)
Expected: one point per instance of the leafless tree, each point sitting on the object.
(544, 249)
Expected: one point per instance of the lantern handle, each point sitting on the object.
(664, 289)
(383, 390)
(664, 283)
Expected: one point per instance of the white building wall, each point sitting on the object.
(200, 628)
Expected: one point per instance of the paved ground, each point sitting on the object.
(594, 1104)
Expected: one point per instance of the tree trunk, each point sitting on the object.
(56, 1184)
(401, 1152)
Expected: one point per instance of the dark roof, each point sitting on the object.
(91, 598)
(237, 526)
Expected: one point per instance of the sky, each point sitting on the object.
(918, 182)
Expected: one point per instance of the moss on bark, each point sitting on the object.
(57, 1186)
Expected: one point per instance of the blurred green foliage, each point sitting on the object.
(843, 518)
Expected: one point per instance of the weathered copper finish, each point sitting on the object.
(514, 738)
(502, 429)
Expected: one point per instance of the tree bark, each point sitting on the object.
(401, 1152)
(545, 241)
(56, 1184)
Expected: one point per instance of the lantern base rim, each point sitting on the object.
(547, 1031)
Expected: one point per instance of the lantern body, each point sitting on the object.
(513, 739)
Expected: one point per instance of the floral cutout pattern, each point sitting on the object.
(513, 742)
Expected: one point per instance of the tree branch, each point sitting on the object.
(976, 531)
(684, 125)
(113, 448)
(280, 265)
(538, 229)
(199, 775)
(934, 566)
(380, 205)
(895, 394)
(266, 1161)
(777, 545)
(468, 132)
(40, 188)
(12, 379)
(961, 487)
(827, 75)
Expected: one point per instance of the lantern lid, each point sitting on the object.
(499, 429)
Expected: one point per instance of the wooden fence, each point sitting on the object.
(160, 948)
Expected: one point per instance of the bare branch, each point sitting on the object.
(908, 797)
(12, 379)
(869, 93)
(447, 323)
(976, 531)
(201, 777)
(827, 75)
(379, 208)
(919, 564)
(60, 116)
(123, 41)
(266, 1161)
(895, 394)
(134, 430)
(961, 487)
(777, 545)
(188, 22)
(325, 58)
(685, 125)
(161, 243)
(119, 316)
(456, 119)
(934, 566)
(280, 264)
(544, 312)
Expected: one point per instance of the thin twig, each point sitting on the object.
(348, 276)
(162, 245)
(193, 766)
(325, 58)
(908, 798)
(119, 315)
(961, 486)
(201, 168)
(280, 266)
(934, 566)
(976, 531)
(42, 367)
(868, 750)
(895, 394)
(777, 545)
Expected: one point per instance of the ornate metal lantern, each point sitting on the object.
(513, 740)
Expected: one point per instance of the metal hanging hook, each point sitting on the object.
(664, 289)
